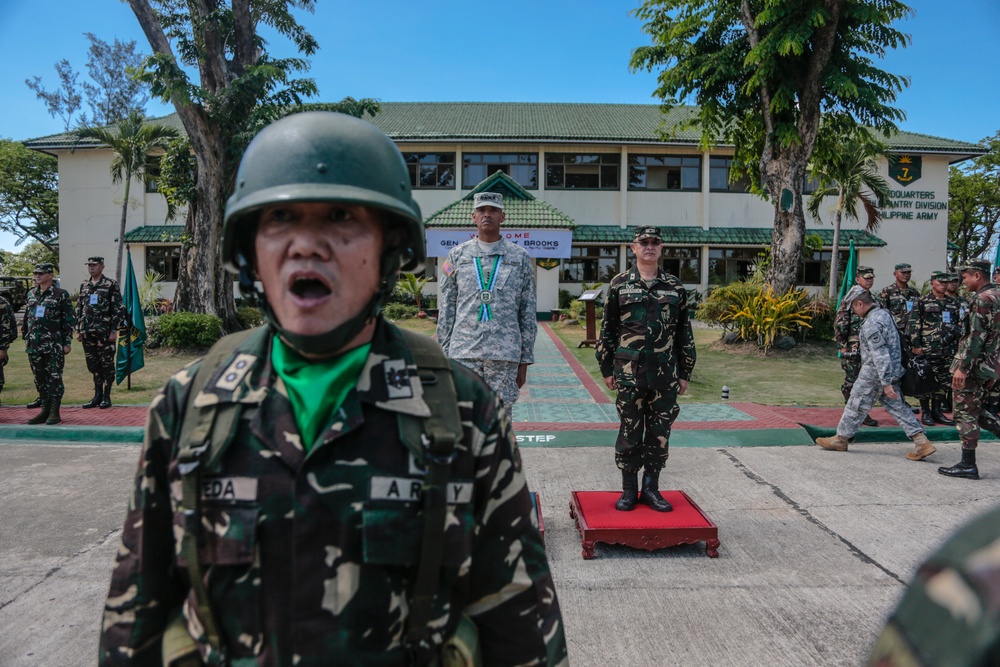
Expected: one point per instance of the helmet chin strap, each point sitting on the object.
(334, 340)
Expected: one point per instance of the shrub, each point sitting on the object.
(565, 299)
(399, 311)
(249, 317)
(188, 329)
(821, 315)
(756, 313)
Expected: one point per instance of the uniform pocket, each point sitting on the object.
(229, 534)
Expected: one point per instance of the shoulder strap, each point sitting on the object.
(204, 433)
(442, 431)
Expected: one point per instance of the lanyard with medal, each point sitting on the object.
(486, 292)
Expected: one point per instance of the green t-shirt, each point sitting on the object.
(317, 389)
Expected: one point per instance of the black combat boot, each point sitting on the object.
(37, 403)
(868, 421)
(926, 416)
(630, 491)
(106, 398)
(43, 415)
(96, 400)
(54, 417)
(937, 411)
(965, 468)
(650, 494)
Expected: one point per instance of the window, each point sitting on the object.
(726, 265)
(809, 185)
(164, 259)
(431, 170)
(664, 172)
(595, 171)
(719, 168)
(522, 167)
(591, 264)
(685, 263)
(153, 173)
(816, 269)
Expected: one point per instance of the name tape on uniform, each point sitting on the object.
(229, 488)
(407, 489)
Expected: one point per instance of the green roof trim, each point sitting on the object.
(156, 234)
(521, 209)
(749, 236)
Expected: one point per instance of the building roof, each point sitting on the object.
(155, 234)
(521, 208)
(724, 236)
(546, 122)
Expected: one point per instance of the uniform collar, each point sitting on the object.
(636, 277)
(499, 249)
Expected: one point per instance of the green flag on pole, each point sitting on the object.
(996, 260)
(850, 273)
(129, 355)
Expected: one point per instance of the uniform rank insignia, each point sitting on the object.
(397, 379)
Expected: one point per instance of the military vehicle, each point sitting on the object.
(15, 289)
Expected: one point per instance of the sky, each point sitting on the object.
(515, 51)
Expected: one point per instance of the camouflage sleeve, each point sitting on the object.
(119, 315)
(684, 342)
(842, 326)
(877, 341)
(8, 325)
(971, 345)
(447, 302)
(915, 325)
(145, 586)
(79, 307)
(29, 315)
(513, 598)
(69, 320)
(607, 342)
(527, 315)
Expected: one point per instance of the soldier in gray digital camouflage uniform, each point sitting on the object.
(301, 536)
(486, 316)
(845, 332)
(878, 379)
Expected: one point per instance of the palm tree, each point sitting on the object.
(131, 139)
(847, 175)
(410, 284)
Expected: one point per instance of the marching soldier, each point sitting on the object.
(933, 332)
(48, 334)
(8, 334)
(846, 325)
(100, 313)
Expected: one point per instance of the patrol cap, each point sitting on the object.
(975, 265)
(44, 267)
(866, 272)
(647, 233)
(940, 276)
(95, 260)
(903, 266)
(952, 276)
(854, 294)
(494, 199)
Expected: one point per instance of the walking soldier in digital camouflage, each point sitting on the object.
(8, 334)
(974, 368)
(328, 489)
(47, 330)
(846, 325)
(646, 352)
(100, 313)
(934, 333)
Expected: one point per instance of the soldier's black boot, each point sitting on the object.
(41, 416)
(868, 421)
(926, 416)
(630, 491)
(937, 411)
(37, 403)
(965, 468)
(96, 400)
(650, 494)
(106, 397)
(54, 417)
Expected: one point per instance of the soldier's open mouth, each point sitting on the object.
(309, 288)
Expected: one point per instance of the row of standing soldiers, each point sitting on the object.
(49, 323)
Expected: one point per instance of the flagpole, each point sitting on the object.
(128, 372)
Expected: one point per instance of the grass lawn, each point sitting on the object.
(809, 375)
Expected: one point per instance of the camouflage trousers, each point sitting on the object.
(47, 368)
(3, 363)
(501, 376)
(852, 366)
(971, 411)
(866, 390)
(941, 367)
(100, 355)
(644, 436)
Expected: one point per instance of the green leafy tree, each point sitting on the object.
(974, 203)
(210, 63)
(66, 99)
(23, 263)
(29, 196)
(412, 285)
(761, 73)
(851, 175)
(131, 140)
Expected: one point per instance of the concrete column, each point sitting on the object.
(704, 270)
(623, 189)
(706, 191)
(546, 288)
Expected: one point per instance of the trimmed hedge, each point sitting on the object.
(188, 329)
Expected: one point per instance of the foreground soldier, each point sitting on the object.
(646, 352)
(846, 325)
(8, 334)
(934, 332)
(881, 370)
(100, 313)
(47, 330)
(341, 523)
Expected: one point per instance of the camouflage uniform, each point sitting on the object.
(881, 365)
(99, 312)
(978, 355)
(310, 557)
(900, 302)
(48, 328)
(933, 326)
(846, 326)
(8, 332)
(948, 613)
(647, 345)
(509, 336)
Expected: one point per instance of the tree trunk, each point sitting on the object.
(786, 171)
(121, 231)
(834, 258)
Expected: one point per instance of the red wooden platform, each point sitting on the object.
(642, 528)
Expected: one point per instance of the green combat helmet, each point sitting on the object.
(323, 156)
